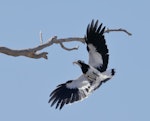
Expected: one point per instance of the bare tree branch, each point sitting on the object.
(34, 52)
(118, 30)
(69, 49)
(41, 37)
(24, 52)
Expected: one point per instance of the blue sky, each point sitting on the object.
(25, 84)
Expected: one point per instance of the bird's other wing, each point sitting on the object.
(96, 46)
(70, 92)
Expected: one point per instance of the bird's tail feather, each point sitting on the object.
(107, 75)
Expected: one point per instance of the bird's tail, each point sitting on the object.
(109, 73)
(105, 76)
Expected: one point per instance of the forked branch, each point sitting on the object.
(35, 51)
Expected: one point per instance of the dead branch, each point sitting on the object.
(34, 52)
(69, 49)
(118, 30)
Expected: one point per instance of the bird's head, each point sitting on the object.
(84, 67)
(79, 63)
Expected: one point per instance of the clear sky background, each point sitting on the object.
(25, 83)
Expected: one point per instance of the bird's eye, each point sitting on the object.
(79, 61)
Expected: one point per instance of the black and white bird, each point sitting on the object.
(94, 76)
(94, 73)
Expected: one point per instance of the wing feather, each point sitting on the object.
(69, 92)
(96, 46)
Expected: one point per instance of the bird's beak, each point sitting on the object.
(76, 62)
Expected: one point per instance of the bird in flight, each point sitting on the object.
(93, 74)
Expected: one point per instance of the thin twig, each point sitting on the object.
(41, 37)
(118, 30)
(68, 49)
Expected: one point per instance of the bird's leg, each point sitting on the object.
(92, 76)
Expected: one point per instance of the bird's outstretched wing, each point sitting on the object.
(96, 46)
(70, 92)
